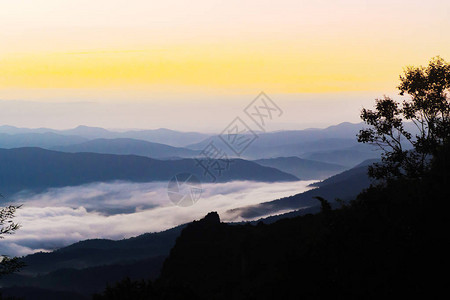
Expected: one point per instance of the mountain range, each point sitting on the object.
(343, 186)
(129, 146)
(161, 135)
(37, 169)
(302, 168)
(335, 144)
(43, 140)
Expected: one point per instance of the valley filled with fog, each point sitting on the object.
(62, 216)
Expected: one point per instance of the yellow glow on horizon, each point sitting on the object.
(198, 68)
(214, 46)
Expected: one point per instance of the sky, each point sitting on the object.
(208, 54)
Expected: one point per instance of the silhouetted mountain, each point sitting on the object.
(37, 169)
(165, 136)
(17, 130)
(43, 140)
(98, 252)
(93, 279)
(386, 243)
(344, 149)
(128, 146)
(88, 132)
(267, 145)
(346, 131)
(357, 174)
(35, 293)
(162, 135)
(299, 148)
(345, 186)
(87, 266)
(349, 157)
(302, 168)
(335, 144)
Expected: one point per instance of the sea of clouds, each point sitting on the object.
(62, 216)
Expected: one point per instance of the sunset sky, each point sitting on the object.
(151, 51)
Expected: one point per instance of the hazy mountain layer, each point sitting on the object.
(302, 168)
(38, 169)
(162, 135)
(129, 146)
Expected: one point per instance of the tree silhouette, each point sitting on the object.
(325, 206)
(428, 108)
(8, 226)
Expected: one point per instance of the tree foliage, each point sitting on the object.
(427, 106)
(8, 226)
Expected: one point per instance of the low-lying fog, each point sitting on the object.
(62, 216)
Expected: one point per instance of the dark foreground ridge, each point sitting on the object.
(387, 242)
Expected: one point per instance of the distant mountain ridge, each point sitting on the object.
(43, 140)
(128, 146)
(349, 157)
(37, 169)
(344, 130)
(162, 135)
(344, 186)
(302, 168)
(311, 144)
(335, 144)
